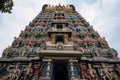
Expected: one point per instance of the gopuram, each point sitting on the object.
(59, 44)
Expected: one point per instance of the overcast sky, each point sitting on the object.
(104, 15)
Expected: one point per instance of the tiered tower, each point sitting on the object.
(59, 44)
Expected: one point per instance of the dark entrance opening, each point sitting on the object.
(59, 38)
(60, 70)
(59, 26)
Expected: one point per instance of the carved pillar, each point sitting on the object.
(53, 38)
(72, 69)
(65, 38)
(48, 67)
(72, 74)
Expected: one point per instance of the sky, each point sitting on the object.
(104, 15)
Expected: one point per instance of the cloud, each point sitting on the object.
(23, 12)
(102, 14)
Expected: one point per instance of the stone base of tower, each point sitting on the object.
(61, 68)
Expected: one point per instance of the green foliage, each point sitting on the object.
(6, 6)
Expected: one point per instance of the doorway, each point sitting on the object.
(59, 26)
(60, 70)
(59, 38)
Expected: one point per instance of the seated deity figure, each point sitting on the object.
(13, 72)
(96, 52)
(10, 72)
(95, 34)
(113, 52)
(103, 42)
(7, 52)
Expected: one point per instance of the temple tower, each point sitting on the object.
(59, 44)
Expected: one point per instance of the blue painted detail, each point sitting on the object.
(32, 51)
(37, 28)
(3, 72)
(98, 71)
(44, 71)
(113, 50)
(51, 71)
(76, 70)
(68, 71)
(116, 72)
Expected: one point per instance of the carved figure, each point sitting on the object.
(13, 72)
(23, 52)
(91, 73)
(105, 72)
(83, 71)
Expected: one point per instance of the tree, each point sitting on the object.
(6, 6)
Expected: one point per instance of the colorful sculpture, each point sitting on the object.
(59, 37)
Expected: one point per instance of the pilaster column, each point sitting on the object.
(48, 67)
(72, 69)
(71, 61)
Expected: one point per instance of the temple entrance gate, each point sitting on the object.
(60, 70)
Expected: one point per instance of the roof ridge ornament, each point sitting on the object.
(59, 7)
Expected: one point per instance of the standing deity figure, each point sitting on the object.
(85, 44)
(29, 68)
(27, 72)
(37, 70)
(23, 52)
(16, 71)
(112, 52)
(10, 72)
(117, 72)
(83, 71)
(105, 72)
(91, 73)
(96, 52)
(118, 68)
(103, 42)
